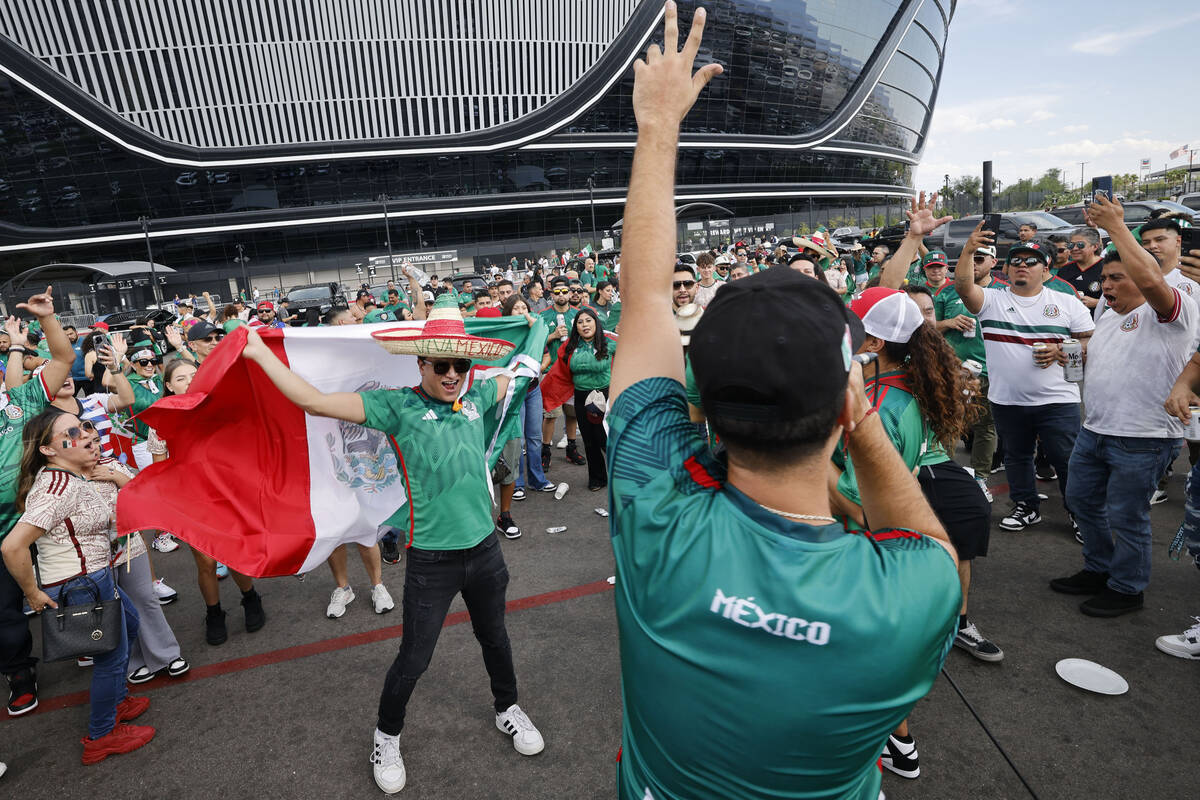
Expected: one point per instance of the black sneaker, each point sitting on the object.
(1111, 603)
(573, 454)
(22, 692)
(1082, 582)
(595, 486)
(518, 493)
(1020, 518)
(506, 527)
(971, 640)
(255, 616)
(547, 488)
(546, 451)
(901, 757)
(1045, 471)
(389, 551)
(214, 627)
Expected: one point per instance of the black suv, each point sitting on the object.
(951, 237)
(321, 296)
(1136, 212)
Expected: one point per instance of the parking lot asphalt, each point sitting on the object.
(288, 712)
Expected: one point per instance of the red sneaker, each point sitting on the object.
(121, 739)
(131, 708)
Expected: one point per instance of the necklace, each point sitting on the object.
(790, 515)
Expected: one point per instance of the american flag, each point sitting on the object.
(1178, 152)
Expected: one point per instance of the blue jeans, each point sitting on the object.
(1019, 427)
(531, 459)
(109, 670)
(1191, 514)
(1112, 479)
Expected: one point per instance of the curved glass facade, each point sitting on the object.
(824, 105)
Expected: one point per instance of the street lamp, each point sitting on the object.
(241, 259)
(578, 234)
(145, 223)
(387, 233)
(591, 184)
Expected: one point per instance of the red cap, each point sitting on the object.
(99, 326)
(490, 311)
(265, 305)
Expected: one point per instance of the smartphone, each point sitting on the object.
(1102, 185)
(991, 222)
(101, 339)
(1189, 239)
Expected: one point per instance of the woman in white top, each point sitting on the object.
(69, 519)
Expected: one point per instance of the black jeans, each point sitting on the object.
(431, 580)
(16, 643)
(595, 440)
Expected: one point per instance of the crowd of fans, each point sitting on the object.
(1069, 360)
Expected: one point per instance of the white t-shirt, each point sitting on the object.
(1133, 360)
(1010, 325)
(705, 294)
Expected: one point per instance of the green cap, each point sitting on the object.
(379, 315)
(230, 325)
(934, 257)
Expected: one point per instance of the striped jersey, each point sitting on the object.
(1011, 325)
(94, 409)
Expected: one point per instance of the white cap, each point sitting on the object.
(888, 314)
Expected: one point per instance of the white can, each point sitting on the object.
(1191, 431)
(970, 334)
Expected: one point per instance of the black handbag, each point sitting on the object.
(87, 629)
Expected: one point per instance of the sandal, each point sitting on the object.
(178, 667)
(141, 675)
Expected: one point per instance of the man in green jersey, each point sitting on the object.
(559, 318)
(742, 607)
(439, 434)
(19, 405)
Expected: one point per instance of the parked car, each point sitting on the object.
(951, 237)
(120, 321)
(1191, 201)
(1136, 212)
(478, 280)
(321, 296)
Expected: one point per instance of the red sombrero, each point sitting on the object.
(443, 336)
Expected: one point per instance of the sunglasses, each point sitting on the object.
(682, 284)
(145, 362)
(461, 365)
(1076, 245)
(1029, 261)
(1062, 250)
(560, 291)
(576, 289)
(213, 338)
(74, 432)
(979, 259)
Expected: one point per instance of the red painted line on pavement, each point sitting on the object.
(48, 704)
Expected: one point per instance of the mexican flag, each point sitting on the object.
(261, 486)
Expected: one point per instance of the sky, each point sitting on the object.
(1033, 84)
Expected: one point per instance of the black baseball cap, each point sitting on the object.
(1039, 249)
(202, 330)
(792, 361)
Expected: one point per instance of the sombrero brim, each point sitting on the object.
(406, 342)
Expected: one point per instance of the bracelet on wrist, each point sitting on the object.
(16, 348)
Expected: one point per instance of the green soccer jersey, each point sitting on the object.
(602, 273)
(901, 417)
(17, 407)
(550, 317)
(397, 310)
(589, 372)
(609, 314)
(1057, 284)
(728, 613)
(146, 392)
(589, 280)
(916, 275)
(948, 305)
(444, 453)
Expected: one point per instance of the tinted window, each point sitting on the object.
(1071, 215)
(961, 228)
(319, 293)
(1192, 203)
(1137, 213)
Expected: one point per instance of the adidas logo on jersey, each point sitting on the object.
(429, 415)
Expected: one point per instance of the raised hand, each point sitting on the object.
(921, 221)
(1104, 213)
(664, 87)
(16, 336)
(40, 305)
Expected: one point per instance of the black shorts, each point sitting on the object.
(960, 505)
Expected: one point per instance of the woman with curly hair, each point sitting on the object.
(925, 400)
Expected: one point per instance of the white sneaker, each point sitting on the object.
(986, 491)
(516, 724)
(1159, 496)
(380, 599)
(342, 596)
(165, 594)
(165, 543)
(389, 764)
(1183, 645)
(562, 443)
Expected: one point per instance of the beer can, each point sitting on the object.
(1037, 348)
(1073, 351)
(973, 367)
(971, 333)
(1192, 431)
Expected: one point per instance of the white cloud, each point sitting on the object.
(1067, 130)
(1087, 149)
(1105, 42)
(1041, 115)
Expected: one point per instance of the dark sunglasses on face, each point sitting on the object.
(576, 289)
(461, 365)
(75, 431)
(979, 259)
(1029, 261)
(145, 362)
(560, 291)
(213, 338)
(682, 284)
(1076, 245)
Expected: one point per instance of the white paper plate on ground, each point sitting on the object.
(1091, 676)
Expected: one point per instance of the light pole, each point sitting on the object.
(387, 233)
(241, 259)
(145, 222)
(1081, 166)
(591, 184)
(578, 234)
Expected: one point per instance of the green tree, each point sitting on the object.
(967, 186)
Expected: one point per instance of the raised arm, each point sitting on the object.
(1140, 266)
(14, 367)
(339, 405)
(123, 397)
(664, 89)
(921, 223)
(964, 274)
(62, 355)
(414, 288)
